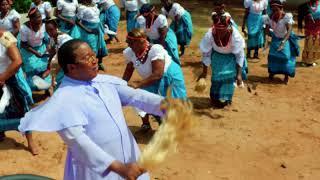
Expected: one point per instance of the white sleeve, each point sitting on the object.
(87, 152)
(15, 15)
(141, 21)
(288, 18)
(247, 3)
(206, 48)
(63, 39)
(24, 33)
(157, 52)
(164, 12)
(59, 5)
(128, 55)
(162, 21)
(238, 45)
(47, 6)
(265, 4)
(80, 12)
(266, 19)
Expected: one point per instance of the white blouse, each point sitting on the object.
(157, 52)
(236, 46)
(153, 32)
(43, 8)
(176, 10)
(5, 61)
(256, 7)
(33, 39)
(67, 8)
(108, 3)
(133, 5)
(279, 28)
(61, 39)
(88, 13)
(7, 22)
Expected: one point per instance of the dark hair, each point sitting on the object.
(219, 2)
(66, 53)
(33, 13)
(146, 8)
(52, 22)
(276, 2)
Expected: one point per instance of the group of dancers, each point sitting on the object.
(153, 46)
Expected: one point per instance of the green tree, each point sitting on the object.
(22, 6)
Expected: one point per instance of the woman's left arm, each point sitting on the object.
(163, 33)
(15, 57)
(286, 37)
(157, 73)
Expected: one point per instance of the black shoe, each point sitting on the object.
(2, 136)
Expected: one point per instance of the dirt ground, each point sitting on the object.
(270, 133)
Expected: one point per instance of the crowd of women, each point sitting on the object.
(28, 51)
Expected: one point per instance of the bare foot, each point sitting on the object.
(32, 148)
(2, 136)
(286, 79)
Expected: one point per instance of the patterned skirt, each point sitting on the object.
(183, 29)
(19, 104)
(284, 61)
(223, 76)
(131, 20)
(32, 65)
(95, 41)
(111, 17)
(171, 45)
(255, 31)
(67, 28)
(172, 78)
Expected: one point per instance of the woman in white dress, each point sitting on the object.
(12, 80)
(91, 29)
(158, 31)
(132, 7)
(222, 47)
(57, 39)
(253, 18)
(66, 14)
(34, 40)
(44, 8)
(181, 22)
(155, 66)
(284, 47)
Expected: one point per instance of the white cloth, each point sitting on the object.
(43, 8)
(32, 38)
(176, 10)
(153, 31)
(7, 22)
(236, 46)
(133, 5)
(67, 8)
(61, 39)
(108, 3)
(5, 61)
(157, 52)
(256, 7)
(88, 13)
(279, 28)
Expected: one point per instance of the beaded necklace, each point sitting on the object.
(314, 8)
(141, 57)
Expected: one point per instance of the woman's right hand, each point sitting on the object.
(38, 55)
(133, 171)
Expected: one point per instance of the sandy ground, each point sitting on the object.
(270, 133)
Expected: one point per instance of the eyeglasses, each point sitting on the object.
(88, 60)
